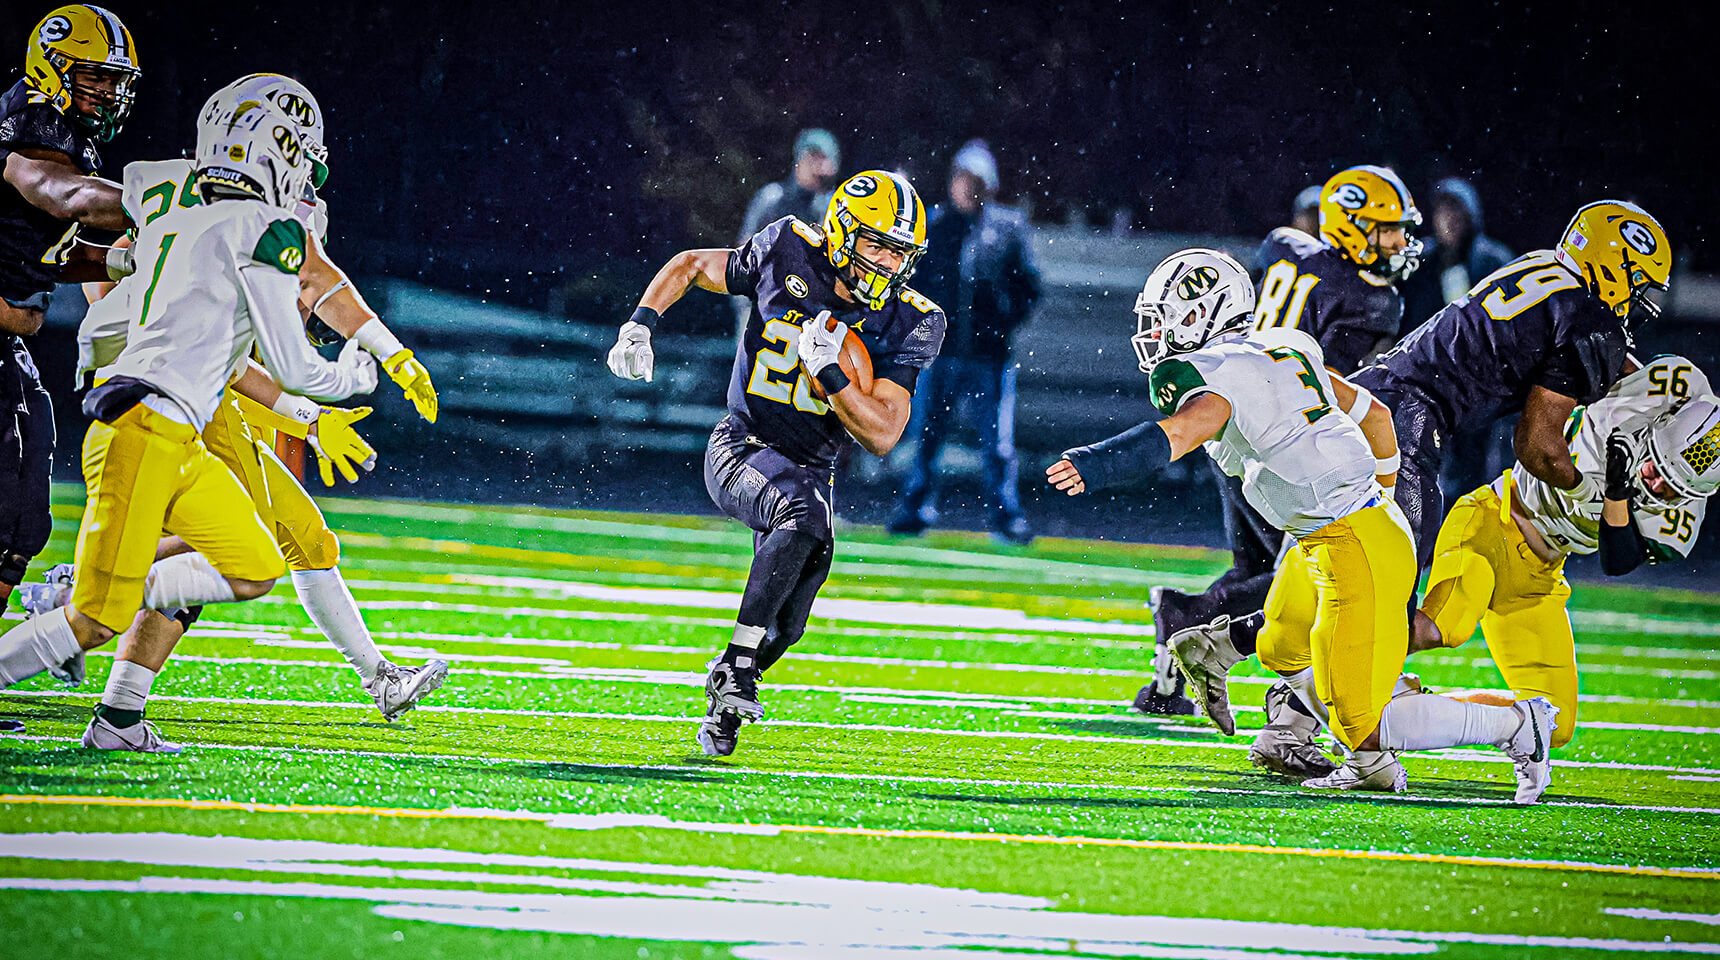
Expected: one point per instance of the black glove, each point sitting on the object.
(1619, 457)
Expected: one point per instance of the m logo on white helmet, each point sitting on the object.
(295, 107)
(1350, 196)
(291, 149)
(1198, 282)
(1639, 236)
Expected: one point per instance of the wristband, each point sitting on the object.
(1387, 465)
(1361, 405)
(646, 317)
(297, 408)
(376, 338)
(833, 380)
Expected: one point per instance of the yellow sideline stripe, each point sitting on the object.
(1683, 873)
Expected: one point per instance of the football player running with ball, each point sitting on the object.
(1315, 454)
(222, 281)
(770, 462)
(1339, 288)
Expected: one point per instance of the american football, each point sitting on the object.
(855, 360)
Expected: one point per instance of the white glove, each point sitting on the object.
(819, 347)
(357, 363)
(631, 357)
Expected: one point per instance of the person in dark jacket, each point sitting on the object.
(1459, 256)
(979, 266)
(805, 193)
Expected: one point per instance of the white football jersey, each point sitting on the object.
(213, 282)
(1303, 463)
(1630, 406)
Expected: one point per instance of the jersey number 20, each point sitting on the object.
(785, 361)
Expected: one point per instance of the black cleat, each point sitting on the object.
(732, 689)
(1164, 697)
(719, 734)
(1151, 701)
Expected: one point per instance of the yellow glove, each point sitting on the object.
(404, 369)
(338, 445)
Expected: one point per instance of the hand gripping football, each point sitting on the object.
(854, 359)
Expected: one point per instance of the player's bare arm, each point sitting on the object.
(50, 182)
(1134, 454)
(706, 269)
(1375, 419)
(874, 419)
(325, 290)
(1540, 439)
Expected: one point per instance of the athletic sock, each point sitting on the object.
(184, 581)
(1245, 632)
(1307, 697)
(325, 596)
(35, 645)
(743, 648)
(126, 693)
(1428, 721)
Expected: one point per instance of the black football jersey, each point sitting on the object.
(1528, 324)
(784, 271)
(33, 244)
(1309, 285)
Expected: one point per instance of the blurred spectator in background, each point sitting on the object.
(1455, 258)
(805, 193)
(1305, 214)
(979, 267)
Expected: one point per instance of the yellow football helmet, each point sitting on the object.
(1355, 203)
(881, 207)
(1622, 255)
(70, 53)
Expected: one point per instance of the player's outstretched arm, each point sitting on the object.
(329, 430)
(59, 190)
(1137, 453)
(325, 290)
(1375, 419)
(1540, 443)
(632, 357)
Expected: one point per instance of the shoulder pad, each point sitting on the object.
(1293, 241)
(1173, 380)
(807, 231)
(918, 301)
(41, 126)
(282, 246)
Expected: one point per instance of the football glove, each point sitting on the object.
(631, 357)
(1619, 457)
(820, 347)
(338, 445)
(359, 365)
(411, 376)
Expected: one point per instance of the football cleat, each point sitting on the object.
(733, 689)
(1205, 654)
(397, 689)
(1164, 696)
(1529, 748)
(719, 733)
(140, 737)
(1286, 744)
(1365, 770)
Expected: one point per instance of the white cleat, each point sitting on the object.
(140, 737)
(1367, 770)
(1530, 748)
(397, 689)
(53, 593)
(1205, 654)
(1286, 744)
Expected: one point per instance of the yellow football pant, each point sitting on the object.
(146, 473)
(1484, 572)
(284, 506)
(1337, 604)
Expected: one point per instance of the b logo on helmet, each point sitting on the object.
(861, 187)
(1640, 238)
(1350, 196)
(289, 143)
(1198, 281)
(55, 29)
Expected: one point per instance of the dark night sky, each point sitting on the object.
(507, 148)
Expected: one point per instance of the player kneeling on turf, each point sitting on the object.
(217, 281)
(1315, 454)
(771, 461)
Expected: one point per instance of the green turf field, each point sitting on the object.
(948, 769)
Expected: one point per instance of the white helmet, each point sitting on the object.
(1684, 444)
(1191, 298)
(293, 99)
(251, 148)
